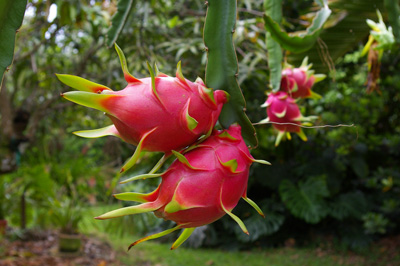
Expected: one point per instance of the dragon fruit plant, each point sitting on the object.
(297, 82)
(284, 115)
(199, 187)
(158, 113)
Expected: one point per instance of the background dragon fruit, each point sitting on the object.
(284, 114)
(282, 109)
(199, 187)
(297, 82)
(159, 113)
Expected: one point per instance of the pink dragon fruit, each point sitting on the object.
(199, 187)
(159, 113)
(297, 82)
(281, 108)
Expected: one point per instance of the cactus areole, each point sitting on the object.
(159, 113)
(199, 187)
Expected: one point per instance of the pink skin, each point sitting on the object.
(138, 111)
(201, 191)
(294, 81)
(281, 108)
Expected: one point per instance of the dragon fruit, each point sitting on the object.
(297, 82)
(281, 109)
(159, 113)
(199, 187)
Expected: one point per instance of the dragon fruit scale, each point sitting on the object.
(199, 187)
(158, 113)
(297, 82)
(284, 114)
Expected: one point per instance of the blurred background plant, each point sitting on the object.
(344, 182)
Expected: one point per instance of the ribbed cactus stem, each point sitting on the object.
(222, 65)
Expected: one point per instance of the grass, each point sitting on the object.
(153, 253)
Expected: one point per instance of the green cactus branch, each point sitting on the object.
(119, 20)
(273, 9)
(222, 65)
(393, 9)
(11, 16)
(301, 42)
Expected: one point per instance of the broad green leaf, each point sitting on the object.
(222, 65)
(351, 204)
(303, 41)
(259, 227)
(393, 10)
(118, 20)
(306, 200)
(273, 9)
(347, 29)
(11, 16)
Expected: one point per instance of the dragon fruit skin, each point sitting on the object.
(297, 82)
(160, 113)
(138, 111)
(200, 187)
(281, 108)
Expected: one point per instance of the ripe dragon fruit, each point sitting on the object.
(159, 113)
(297, 82)
(199, 187)
(281, 108)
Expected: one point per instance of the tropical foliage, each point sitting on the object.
(344, 181)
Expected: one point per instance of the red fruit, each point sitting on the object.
(160, 113)
(200, 187)
(281, 108)
(297, 82)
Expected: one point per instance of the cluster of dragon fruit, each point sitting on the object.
(282, 108)
(177, 117)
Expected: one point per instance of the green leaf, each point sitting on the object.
(11, 16)
(347, 29)
(273, 9)
(306, 200)
(393, 10)
(352, 204)
(259, 227)
(118, 20)
(301, 42)
(222, 65)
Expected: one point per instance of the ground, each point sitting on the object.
(41, 249)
